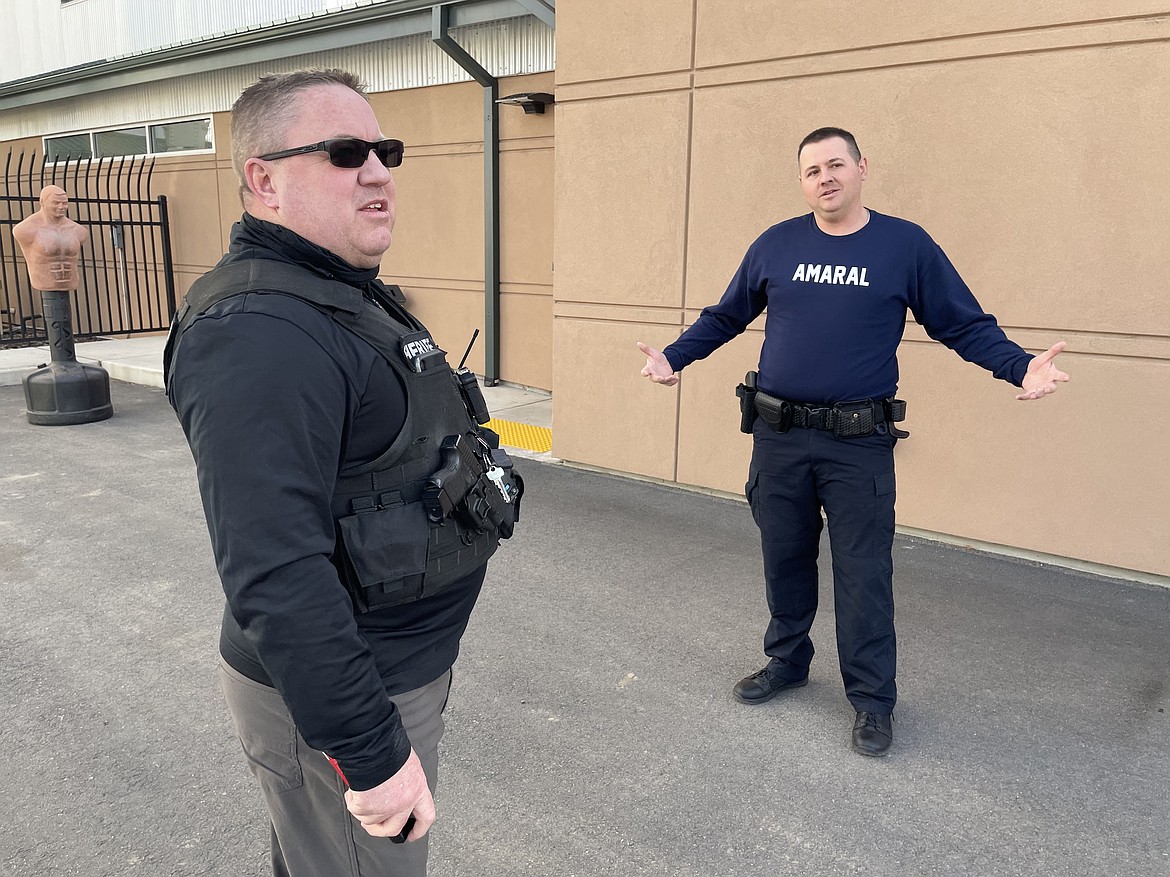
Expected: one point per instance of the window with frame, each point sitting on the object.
(156, 138)
(68, 146)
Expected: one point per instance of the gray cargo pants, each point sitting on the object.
(313, 834)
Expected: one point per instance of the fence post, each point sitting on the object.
(164, 219)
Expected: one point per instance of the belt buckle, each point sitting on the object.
(817, 418)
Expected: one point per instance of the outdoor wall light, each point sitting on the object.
(532, 101)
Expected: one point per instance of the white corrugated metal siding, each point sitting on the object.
(44, 35)
(506, 48)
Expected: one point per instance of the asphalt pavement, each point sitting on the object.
(591, 729)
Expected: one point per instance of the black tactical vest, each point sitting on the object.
(387, 550)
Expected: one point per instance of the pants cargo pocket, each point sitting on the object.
(885, 495)
(750, 490)
(265, 731)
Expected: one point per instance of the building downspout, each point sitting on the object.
(491, 189)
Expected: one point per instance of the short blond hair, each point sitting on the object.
(263, 113)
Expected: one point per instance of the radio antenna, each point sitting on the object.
(466, 352)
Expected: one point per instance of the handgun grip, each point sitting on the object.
(747, 402)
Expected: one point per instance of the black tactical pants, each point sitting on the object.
(793, 476)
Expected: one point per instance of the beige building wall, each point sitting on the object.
(1025, 139)
(438, 251)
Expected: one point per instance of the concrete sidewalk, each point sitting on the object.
(138, 360)
(591, 730)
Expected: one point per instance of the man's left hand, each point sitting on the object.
(1043, 375)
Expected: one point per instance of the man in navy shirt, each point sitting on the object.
(837, 284)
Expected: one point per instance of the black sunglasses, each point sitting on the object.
(349, 152)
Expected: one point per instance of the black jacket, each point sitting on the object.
(275, 399)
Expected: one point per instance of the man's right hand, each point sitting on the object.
(657, 367)
(384, 809)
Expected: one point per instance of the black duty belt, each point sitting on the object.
(845, 419)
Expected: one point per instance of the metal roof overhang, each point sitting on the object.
(317, 33)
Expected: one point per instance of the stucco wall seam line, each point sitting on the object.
(634, 77)
(678, 80)
(525, 142)
(1087, 354)
(610, 321)
(1089, 333)
(1151, 348)
(620, 308)
(441, 150)
(607, 98)
(835, 63)
(526, 149)
(594, 310)
(529, 284)
(1122, 21)
(902, 65)
(509, 289)
(461, 284)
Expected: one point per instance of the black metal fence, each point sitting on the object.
(127, 278)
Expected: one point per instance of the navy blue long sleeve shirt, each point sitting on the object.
(837, 310)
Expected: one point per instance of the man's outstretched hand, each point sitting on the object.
(1042, 375)
(658, 368)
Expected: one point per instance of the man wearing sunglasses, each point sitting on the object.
(837, 284)
(315, 407)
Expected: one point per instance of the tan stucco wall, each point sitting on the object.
(437, 256)
(1024, 139)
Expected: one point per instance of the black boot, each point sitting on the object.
(873, 733)
(763, 685)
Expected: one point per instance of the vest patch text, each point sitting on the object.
(417, 347)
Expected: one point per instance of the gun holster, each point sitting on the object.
(483, 493)
(747, 402)
(447, 488)
(895, 413)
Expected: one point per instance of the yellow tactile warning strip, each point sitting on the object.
(522, 435)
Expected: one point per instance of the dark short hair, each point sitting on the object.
(828, 134)
(263, 113)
